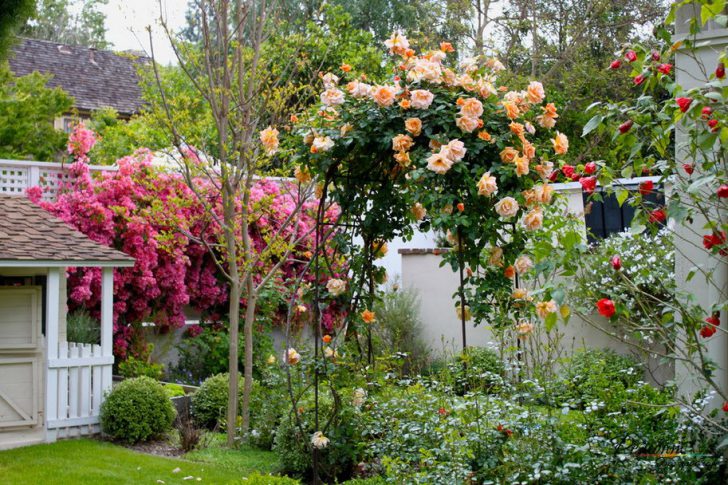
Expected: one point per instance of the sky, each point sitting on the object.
(127, 21)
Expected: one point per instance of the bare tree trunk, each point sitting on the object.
(248, 335)
(234, 317)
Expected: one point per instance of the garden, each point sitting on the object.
(276, 202)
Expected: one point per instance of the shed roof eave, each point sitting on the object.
(15, 263)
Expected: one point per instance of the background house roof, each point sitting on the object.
(95, 78)
(28, 233)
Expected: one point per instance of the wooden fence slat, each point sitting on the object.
(96, 383)
(73, 384)
(62, 383)
(85, 383)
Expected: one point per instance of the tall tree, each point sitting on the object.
(55, 20)
(13, 14)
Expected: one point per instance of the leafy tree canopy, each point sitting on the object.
(56, 21)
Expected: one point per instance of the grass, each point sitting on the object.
(86, 461)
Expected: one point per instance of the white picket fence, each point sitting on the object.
(78, 377)
(16, 176)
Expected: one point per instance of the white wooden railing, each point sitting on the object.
(16, 176)
(78, 377)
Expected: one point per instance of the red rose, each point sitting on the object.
(616, 262)
(626, 126)
(638, 80)
(707, 331)
(722, 191)
(590, 168)
(442, 411)
(606, 307)
(665, 69)
(689, 168)
(575, 177)
(568, 171)
(630, 55)
(616, 64)
(720, 71)
(683, 103)
(461, 206)
(588, 184)
(646, 187)
(499, 428)
(706, 112)
(508, 432)
(715, 239)
(658, 215)
(655, 56)
(713, 320)
(725, 407)
(713, 124)
(554, 175)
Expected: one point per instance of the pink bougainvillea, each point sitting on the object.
(154, 217)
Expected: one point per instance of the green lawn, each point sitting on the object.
(85, 461)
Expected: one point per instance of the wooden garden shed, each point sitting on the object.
(49, 387)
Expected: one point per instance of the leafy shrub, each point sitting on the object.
(138, 367)
(136, 410)
(399, 329)
(266, 410)
(174, 390)
(260, 479)
(209, 403)
(478, 369)
(595, 375)
(82, 327)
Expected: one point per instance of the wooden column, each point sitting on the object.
(107, 322)
(53, 285)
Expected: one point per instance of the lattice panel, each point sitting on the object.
(13, 180)
(52, 181)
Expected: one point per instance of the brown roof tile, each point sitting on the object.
(29, 233)
(95, 78)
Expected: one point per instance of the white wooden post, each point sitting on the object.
(107, 323)
(53, 284)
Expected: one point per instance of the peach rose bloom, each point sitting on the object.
(434, 145)
(561, 143)
(494, 64)
(421, 98)
(455, 150)
(523, 264)
(496, 257)
(543, 308)
(529, 151)
(534, 219)
(509, 272)
(508, 155)
(519, 294)
(472, 108)
(511, 109)
(530, 128)
(521, 166)
(322, 144)
(544, 193)
(449, 77)
(269, 139)
(358, 89)
(439, 163)
(413, 126)
(403, 158)
(484, 135)
(402, 143)
(330, 80)
(302, 174)
(548, 118)
(487, 185)
(517, 129)
(468, 125)
(545, 169)
(531, 197)
(383, 95)
(332, 97)
(336, 286)
(524, 329)
(506, 207)
(459, 312)
(397, 43)
(291, 357)
(418, 211)
(535, 92)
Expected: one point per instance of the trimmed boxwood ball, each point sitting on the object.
(209, 403)
(136, 410)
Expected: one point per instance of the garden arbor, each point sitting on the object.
(49, 387)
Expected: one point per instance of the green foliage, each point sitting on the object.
(259, 479)
(136, 410)
(82, 327)
(27, 111)
(209, 402)
(119, 138)
(399, 329)
(63, 22)
(13, 13)
(174, 390)
(141, 365)
(477, 369)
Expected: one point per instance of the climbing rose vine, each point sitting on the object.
(443, 145)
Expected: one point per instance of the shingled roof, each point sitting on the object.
(29, 234)
(95, 78)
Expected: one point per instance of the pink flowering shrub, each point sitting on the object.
(154, 217)
(81, 141)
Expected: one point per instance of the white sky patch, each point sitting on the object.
(127, 21)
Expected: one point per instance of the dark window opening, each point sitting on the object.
(606, 217)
